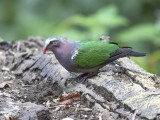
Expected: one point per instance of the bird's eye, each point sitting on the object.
(51, 42)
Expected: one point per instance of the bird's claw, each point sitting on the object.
(83, 77)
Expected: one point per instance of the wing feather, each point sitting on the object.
(93, 53)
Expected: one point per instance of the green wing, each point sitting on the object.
(93, 53)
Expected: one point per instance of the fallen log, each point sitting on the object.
(122, 90)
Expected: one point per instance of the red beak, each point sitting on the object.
(44, 51)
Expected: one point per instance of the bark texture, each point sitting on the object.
(122, 90)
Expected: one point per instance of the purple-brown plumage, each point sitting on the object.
(66, 52)
(63, 53)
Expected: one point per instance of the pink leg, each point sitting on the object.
(82, 78)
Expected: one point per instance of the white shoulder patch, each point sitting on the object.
(74, 54)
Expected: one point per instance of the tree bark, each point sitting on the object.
(122, 89)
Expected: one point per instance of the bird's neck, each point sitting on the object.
(63, 52)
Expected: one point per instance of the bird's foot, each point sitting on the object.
(82, 78)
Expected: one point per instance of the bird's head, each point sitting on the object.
(51, 43)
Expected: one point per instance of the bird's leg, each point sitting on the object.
(81, 78)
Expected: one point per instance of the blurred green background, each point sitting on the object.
(134, 23)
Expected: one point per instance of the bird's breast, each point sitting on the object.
(64, 58)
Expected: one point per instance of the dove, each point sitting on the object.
(87, 57)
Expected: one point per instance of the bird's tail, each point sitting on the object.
(136, 54)
(124, 52)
